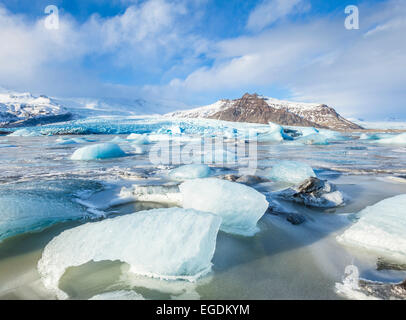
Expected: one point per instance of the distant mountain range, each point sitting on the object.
(24, 109)
(258, 109)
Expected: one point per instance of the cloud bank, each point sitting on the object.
(159, 48)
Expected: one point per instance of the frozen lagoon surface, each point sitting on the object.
(281, 261)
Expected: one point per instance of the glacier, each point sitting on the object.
(381, 228)
(290, 171)
(98, 151)
(190, 171)
(239, 206)
(169, 243)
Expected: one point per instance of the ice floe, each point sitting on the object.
(381, 228)
(98, 151)
(138, 138)
(28, 207)
(290, 171)
(397, 139)
(190, 171)
(118, 295)
(169, 243)
(239, 206)
(24, 133)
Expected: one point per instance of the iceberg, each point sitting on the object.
(64, 141)
(275, 133)
(118, 139)
(118, 295)
(24, 133)
(98, 151)
(164, 243)
(381, 228)
(190, 171)
(290, 171)
(313, 139)
(239, 206)
(397, 139)
(138, 138)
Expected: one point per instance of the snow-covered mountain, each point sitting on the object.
(26, 109)
(258, 109)
(19, 109)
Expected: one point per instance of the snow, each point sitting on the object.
(21, 106)
(118, 295)
(290, 171)
(239, 206)
(190, 171)
(203, 112)
(165, 243)
(380, 228)
(397, 139)
(291, 106)
(98, 151)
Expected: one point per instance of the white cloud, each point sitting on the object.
(318, 61)
(270, 11)
(146, 36)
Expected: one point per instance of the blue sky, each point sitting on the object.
(193, 52)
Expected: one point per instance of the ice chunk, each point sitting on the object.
(176, 129)
(24, 133)
(240, 206)
(26, 207)
(118, 139)
(274, 134)
(71, 141)
(313, 139)
(118, 295)
(290, 171)
(397, 139)
(190, 171)
(381, 228)
(138, 138)
(98, 151)
(159, 194)
(165, 243)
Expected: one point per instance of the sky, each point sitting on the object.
(194, 52)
